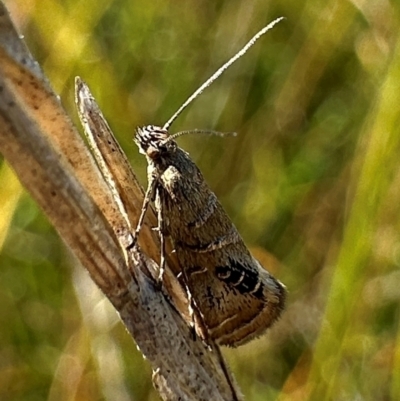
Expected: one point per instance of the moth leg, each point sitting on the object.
(197, 322)
(161, 234)
(195, 315)
(191, 322)
(153, 179)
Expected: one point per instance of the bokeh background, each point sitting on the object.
(312, 181)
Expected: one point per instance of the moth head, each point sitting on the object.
(153, 141)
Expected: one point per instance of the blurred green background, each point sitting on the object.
(312, 181)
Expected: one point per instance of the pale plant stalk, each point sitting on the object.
(46, 152)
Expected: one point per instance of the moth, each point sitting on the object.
(236, 298)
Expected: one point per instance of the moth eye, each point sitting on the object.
(152, 152)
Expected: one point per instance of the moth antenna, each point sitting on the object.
(216, 74)
(198, 131)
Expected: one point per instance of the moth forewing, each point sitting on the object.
(237, 298)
